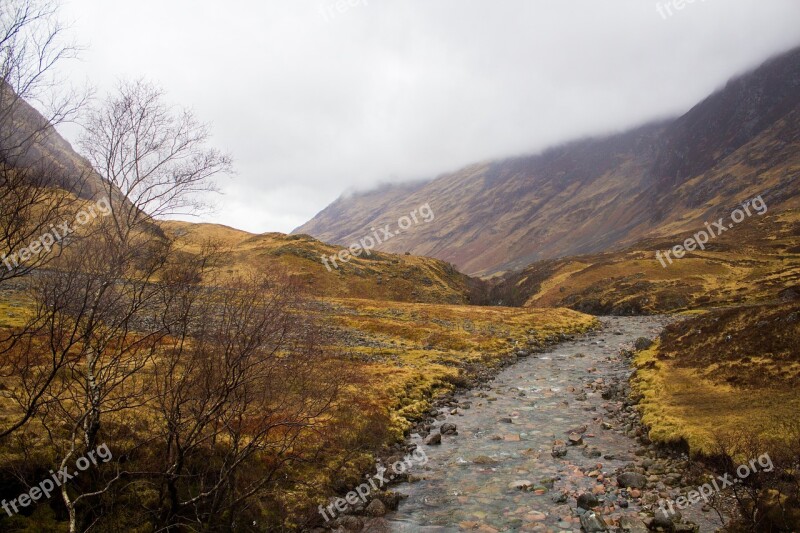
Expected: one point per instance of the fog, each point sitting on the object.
(316, 98)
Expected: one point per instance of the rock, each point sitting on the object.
(662, 522)
(592, 522)
(574, 439)
(391, 499)
(634, 525)
(349, 523)
(484, 460)
(560, 497)
(632, 480)
(591, 453)
(559, 450)
(642, 343)
(377, 525)
(434, 439)
(506, 420)
(375, 509)
(520, 484)
(448, 429)
(587, 501)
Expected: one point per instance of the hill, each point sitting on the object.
(379, 276)
(756, 261)
(599, 194)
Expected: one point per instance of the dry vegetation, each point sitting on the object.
(756, 261)
(380, 276)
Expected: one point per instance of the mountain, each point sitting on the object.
(28, 140)
(598, 194)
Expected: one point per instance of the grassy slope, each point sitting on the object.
(755, 261)
(379, 276)
(723, 373)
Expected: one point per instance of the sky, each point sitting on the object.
(318, 98)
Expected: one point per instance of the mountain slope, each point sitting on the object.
(598, 194)
(757, 261)
(29, 141)
(379, 276)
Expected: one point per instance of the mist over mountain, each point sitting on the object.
(600, 193)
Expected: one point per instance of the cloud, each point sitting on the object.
(311, 105)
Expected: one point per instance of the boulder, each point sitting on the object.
(375, 509)
(448, 429)
(434, 439)
(632, 480)
(592, 522)
(587, 501)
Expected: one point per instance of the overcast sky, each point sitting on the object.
(312, 102)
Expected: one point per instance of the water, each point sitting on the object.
(466, 481)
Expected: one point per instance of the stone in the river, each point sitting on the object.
(377, 525)
(587, 501)
(593, 522)
(375, 508)
(632, 525)
(448, 429)
(591, 452)
(391, 499)
(520, 484)
(559, 497)
(484, 460)
(559, 450)
(660, 521)
(434, 439)
(574, 439)
(350, 523)
(632, 480)
(506, 420)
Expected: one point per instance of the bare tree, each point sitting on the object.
(154, 156)
(98, 323)
(240, 386)
(33, 43)
(33, 196)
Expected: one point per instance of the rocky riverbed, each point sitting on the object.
(551, 444)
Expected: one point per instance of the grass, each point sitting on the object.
(379, 276)
(414, 352)
(753, 262)
(723, 373)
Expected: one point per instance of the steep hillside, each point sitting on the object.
(598, 194)
(29, 141)
(757, 260)
(379, 276)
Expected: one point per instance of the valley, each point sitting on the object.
(581, 335)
